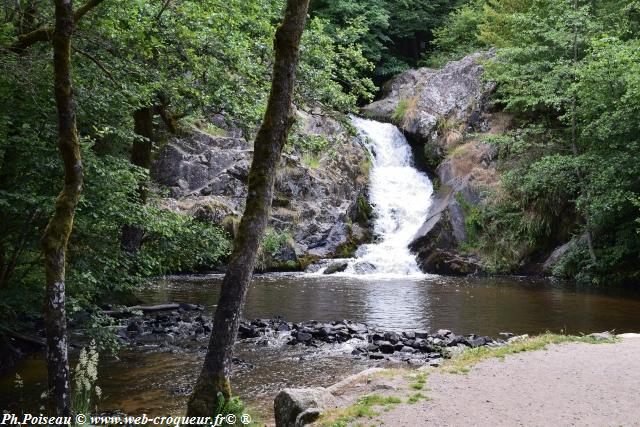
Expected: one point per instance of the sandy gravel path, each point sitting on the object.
(564, 385)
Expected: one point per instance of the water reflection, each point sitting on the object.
(465, 305)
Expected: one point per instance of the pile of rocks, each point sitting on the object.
(189, 323)
(413, 346)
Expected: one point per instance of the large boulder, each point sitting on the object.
(435, 107)
(317, 204)
(437, 242)
(559, 252)
(299, 407)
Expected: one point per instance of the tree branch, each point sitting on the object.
(44, 34)
(97, 63)
(164, 7)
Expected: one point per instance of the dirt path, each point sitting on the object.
(564, 385)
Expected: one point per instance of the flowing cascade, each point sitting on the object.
(400, 196)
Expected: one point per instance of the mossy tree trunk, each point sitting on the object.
(58, 230)
(269, 142)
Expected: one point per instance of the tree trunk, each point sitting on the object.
(131, 238)
(7, 179)
(57, 232)
(278, 118)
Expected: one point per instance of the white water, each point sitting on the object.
(400, 196)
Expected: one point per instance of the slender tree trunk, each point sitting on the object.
(7, 178)
(278, 118)
(56, 234)
(131, 238)
(574, 136)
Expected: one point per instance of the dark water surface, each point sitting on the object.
(158, 381)
(485, 306)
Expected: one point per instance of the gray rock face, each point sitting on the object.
(207, 176)
(299, 407)
(426, 102)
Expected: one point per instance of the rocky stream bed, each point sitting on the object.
(182, 324)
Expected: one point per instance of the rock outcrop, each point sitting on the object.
(444, 113)
(318, 204)
(435, 108)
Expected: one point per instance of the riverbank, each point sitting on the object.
(562, 381)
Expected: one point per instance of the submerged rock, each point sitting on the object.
(336, 267)
(364, 267)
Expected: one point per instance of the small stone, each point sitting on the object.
(336, 267)
(478, 342)
(376, 338)
(518, 338)
(283, 327)
(373, 347)
(602, 336)
(392, 337)
(303, 336)
(421, 334)
(386, 347)
(435, 362)
(409, 335)
(443, 333)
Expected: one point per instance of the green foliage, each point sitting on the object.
(309, 143)
(333, 68)
(363, 408)
(272, 242)
(458, 36)
(400, 111)
(235, 406)
(415, 398)
(562, 64)
(393, 33)
(311, 161)
(188, 60)
(463, 363)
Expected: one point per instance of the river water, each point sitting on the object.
(157, 381)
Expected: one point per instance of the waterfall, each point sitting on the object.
(400, 196)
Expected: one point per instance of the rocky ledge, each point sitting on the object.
(319, 208)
